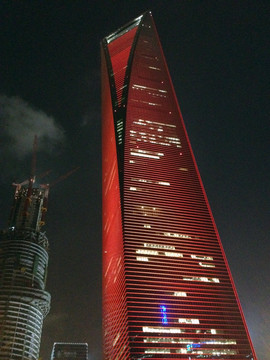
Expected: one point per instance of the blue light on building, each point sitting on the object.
(164, 314)
(190, 347)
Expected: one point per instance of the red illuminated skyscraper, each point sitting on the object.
(167, 288)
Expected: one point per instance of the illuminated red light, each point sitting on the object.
(161, 246)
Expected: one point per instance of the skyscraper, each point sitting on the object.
(167, 287)
(69, 351)
(23, 269)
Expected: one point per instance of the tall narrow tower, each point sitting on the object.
(23, 268)
(167, 289)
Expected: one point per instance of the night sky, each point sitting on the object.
(217, 53)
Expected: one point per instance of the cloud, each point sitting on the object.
(20, 122)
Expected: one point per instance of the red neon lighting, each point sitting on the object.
(160, 243)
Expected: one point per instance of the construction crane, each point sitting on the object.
(46, 188)
(31, 203)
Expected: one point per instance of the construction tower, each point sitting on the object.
(24, 303)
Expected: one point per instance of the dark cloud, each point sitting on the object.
(20, 122)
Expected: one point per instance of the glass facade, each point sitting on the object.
(167, 288)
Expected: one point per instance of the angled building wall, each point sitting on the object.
(167, 288)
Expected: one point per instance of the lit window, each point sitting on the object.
(142, 121)
(216, 352)
(172, 138)
(147, 226)
(163, 183)
(168, 340)
(213, 331)
(132, 188)
(183, 236)
(146, 252)
(141, 258)
(172, 254)
(136, 86)
(159, 246)
(201, 257)
(198, 278)
(154, 68)
(220, 342)
(206, 265)
(180, 293)
(139, 123)
(150, 152)
(165, 330)
(157, 351)
(141, 180)
(188, 321)
(181, 351)
(145, 155)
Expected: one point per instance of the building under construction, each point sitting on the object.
(24, 303)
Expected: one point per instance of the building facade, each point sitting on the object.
(24, 303)
(167, 288)
(69, 351)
